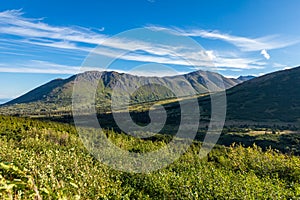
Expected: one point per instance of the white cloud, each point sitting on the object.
(211, 54)
(282, 66)
(278, 65)
(265, 54)
(243, 43)
(237, 63)
(80, 39)
(36, 32)
(38, 66)
(210, 60)
(13, 23)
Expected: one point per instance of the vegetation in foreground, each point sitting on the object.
(47, 160)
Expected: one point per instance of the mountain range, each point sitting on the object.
(58, 92)
(272, 97)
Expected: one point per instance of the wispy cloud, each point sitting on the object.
(210, 59)
(12, 22)
(38, 66)
(244, 43)
(281, 66)
(34, 32)
(278, 65)
(45, 67)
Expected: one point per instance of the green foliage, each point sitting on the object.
(48, 160)
(286, 142)
(16, 183)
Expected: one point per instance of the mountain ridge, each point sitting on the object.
(271, 96)
(61, 89)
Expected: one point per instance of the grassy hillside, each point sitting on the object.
(47, 160)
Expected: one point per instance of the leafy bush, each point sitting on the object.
(48, 160)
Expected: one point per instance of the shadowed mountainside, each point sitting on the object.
(274, 97)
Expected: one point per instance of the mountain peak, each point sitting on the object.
(246, 78)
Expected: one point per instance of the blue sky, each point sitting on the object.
(43, 40)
